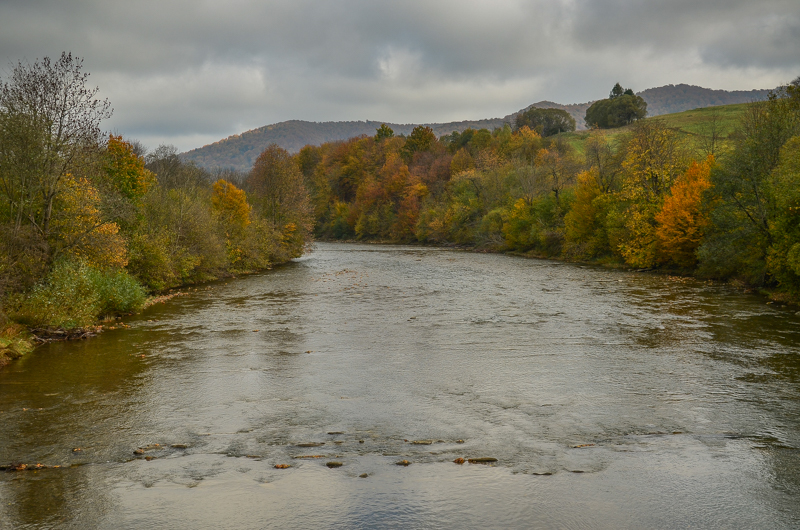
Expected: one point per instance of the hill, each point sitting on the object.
(670, 99)
(240, 150)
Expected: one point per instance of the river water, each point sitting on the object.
(609, 399)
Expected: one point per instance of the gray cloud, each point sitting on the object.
(192, 72)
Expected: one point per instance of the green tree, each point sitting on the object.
(746, 195)
(383, 132)
(546, 122)
(420, 140)
(622, 107)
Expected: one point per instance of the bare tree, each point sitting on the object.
(711, 132)
(49, 128)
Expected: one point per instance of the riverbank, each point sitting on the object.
(18, 340)
(15, 341)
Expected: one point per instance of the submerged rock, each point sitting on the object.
(334, 464)
(422, 442)
(405, 463)
(179, 446)
(459, 461)
(482, 460)
(310, 444)
(282, 466)
(363, 475)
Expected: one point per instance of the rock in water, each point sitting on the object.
(482, 460)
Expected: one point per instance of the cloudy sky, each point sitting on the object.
(191, 72)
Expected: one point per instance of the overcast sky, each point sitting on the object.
(191, 72)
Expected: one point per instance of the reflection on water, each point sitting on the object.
(610, 399)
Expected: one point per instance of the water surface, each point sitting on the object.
(610, 399)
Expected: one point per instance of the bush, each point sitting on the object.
(75, 294)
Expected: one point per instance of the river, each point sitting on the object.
(610, 399)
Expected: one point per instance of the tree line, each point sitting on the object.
(91, 222)
(652, 198)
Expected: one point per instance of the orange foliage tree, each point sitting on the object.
(681, 221)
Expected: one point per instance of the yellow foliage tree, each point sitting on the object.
(230, 207)
(585, 230)
(126, 169)
(680, 221)
(229, 203)
(80, 231)
(655, 156)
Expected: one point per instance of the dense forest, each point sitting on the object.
(647, 196)
(91, 224)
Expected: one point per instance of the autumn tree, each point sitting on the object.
(654, 157)
(126, 169)
(281, 196)
(681, 220)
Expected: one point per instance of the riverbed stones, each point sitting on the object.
(363, 475)
(282, 466)
(310, 444)
(422, 442)
(404, 463)
(459, 461)
(482, 460)
(151, 447)
(334, 464)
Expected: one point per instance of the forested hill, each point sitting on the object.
(240, 150)
(678, 98)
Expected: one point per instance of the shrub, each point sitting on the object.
(75, 294)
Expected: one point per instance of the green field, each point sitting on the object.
(694, 124)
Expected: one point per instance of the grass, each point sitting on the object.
(693, 124)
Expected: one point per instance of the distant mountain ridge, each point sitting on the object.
(239, 151)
